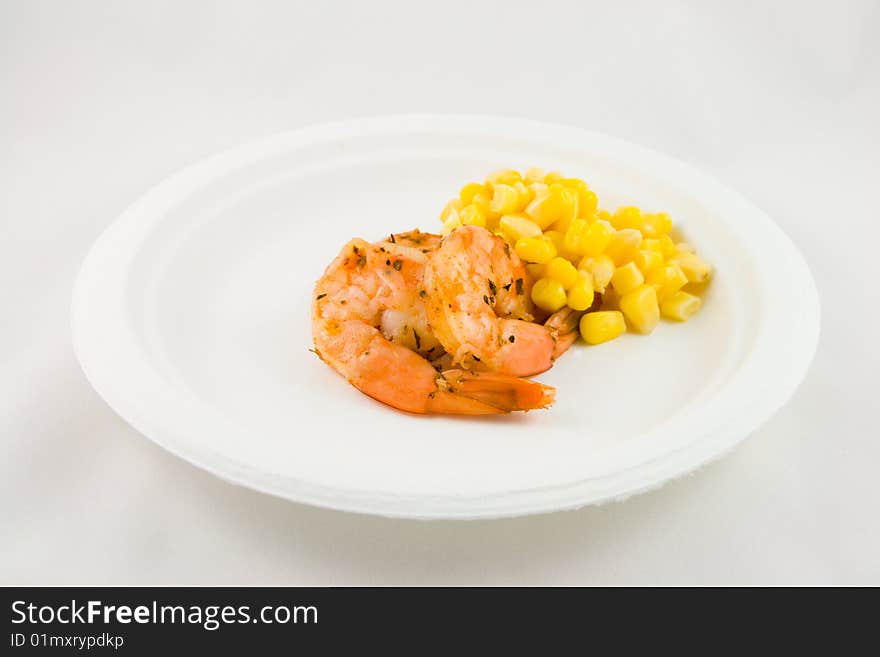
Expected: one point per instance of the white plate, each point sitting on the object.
(191, 318)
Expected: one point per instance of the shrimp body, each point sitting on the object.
(369, 322)
(480, 309)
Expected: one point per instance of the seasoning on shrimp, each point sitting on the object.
(382, 343)
(468, 323)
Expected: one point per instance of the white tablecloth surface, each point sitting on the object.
(101, 100)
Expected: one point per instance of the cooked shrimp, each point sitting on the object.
(480, 309)
(369, 323)
(563, 328)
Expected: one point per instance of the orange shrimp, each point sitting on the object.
(480, 309)
(369, 323)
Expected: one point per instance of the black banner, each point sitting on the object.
(409, 620)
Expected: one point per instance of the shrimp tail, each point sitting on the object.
(563, 328)
(479, 393)
(403, 379)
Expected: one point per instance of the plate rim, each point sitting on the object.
(652, 474)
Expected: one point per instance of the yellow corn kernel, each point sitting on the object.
(533, 175)
(695, 269)
(561, 270)
(516, 226)
(602, 326)
(563, 225)
(548, 294)
(684, 247)
(581, 294)
(472, 215)
(627, 217)
(552, 177)
(587, 201)
(598, 238)
(624, 245)
(640, 308)
(451, 209)
(680, 306)
(557, 205)
(535, 249)
(556, 237)
(604, 215)
(482, 200)
(667, 246)
(656, 224)
(470, 190)
(574, 183)
(535, 270)
(538, 189)
(627, 278)
(601, 267)
(667, 280)
(663, 245)
(646, 260)
(575, 235)
(503, 177)
(526, 194)
(505, 200)
(568, 206)
(558, 240)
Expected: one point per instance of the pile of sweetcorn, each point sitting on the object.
(575, 251)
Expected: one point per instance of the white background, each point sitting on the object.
(101, 100)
